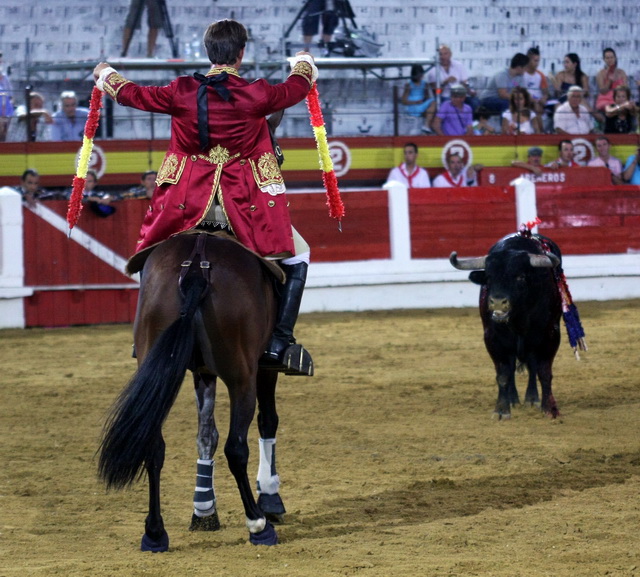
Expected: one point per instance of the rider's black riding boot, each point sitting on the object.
(282, 352)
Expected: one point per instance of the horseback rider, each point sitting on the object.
(220, 169)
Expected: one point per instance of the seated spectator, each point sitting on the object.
(146, 187)
(456, 175)
(495, 97)
(69, 121)
(572, 75)
(520, 117)
(631, 172)
(621, 116)
(533, 163)
(450, 72)
(565, 160)
(608, 79)
(603, 146)
(99, 201)
(32, 121)
(535, 81)
(482, 122)
(409, 173)
(455, 118)
(29, 187)
(573, 117)
(416, 98)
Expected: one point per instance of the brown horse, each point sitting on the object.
(208, 305)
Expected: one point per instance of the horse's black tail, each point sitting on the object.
(135, 422)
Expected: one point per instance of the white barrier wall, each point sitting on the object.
(12, 289)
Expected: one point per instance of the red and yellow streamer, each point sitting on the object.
(329, 179)
(80, 179)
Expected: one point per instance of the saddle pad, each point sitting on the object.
(136, 262)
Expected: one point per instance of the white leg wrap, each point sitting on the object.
(257, 525)
(268, 480)
(204, 501)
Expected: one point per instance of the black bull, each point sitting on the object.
(520, 307)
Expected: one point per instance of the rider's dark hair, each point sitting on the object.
(224, 40)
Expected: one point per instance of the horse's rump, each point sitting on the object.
(239, 306)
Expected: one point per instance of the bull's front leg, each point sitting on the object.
(507, 393)
(549, 406)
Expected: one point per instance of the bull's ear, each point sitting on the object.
(478, 277)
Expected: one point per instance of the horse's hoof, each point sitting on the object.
(209, 523)
(267, 536)
(159, 546)
(272, 507)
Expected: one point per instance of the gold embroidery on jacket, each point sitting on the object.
(114, 83)
(218, 155)
(303, 69)
(171, 169)
(266, 171)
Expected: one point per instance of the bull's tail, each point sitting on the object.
(135, 421)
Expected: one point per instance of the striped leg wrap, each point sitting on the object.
(204, 500)
(268, 479)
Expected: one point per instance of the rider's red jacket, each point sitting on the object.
(238, 169)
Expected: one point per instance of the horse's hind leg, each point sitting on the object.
(236, 449)
(269, 499)
(155, 537)
(205, 514)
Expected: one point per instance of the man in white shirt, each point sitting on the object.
(456, 174)
(565, 160)
(605, 159)
(448, 71)
(573, 117)
(409, 173)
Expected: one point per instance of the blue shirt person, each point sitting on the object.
(69, 121)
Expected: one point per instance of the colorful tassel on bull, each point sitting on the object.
(80, 179)
(329, 179)
(572, 323)
(575, 332)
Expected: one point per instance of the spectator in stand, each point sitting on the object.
(631, 172)
(614, 165)
(621, 115)
(495, 97)
(456, 175)
(608, 79)
(565, 160)
(29, 187)
(455, 118)
(482, 122)
(69, 121)
(520, 117)
(32, 122)
(134, 20)
(572, 75)
(6, 102)
(573, 117)
(409, 173)
(535, 81)
(416, 98)
(146, 187)
(533, 163)
(450, 72)
(99, 201)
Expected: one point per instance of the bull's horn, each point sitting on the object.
(548, 260)
(476, 263)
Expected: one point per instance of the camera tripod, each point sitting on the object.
(344, 12)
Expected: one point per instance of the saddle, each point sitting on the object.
(136, 262)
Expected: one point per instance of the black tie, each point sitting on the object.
(203, 106)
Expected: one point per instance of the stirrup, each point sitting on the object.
(297, 361)
(293, 360)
